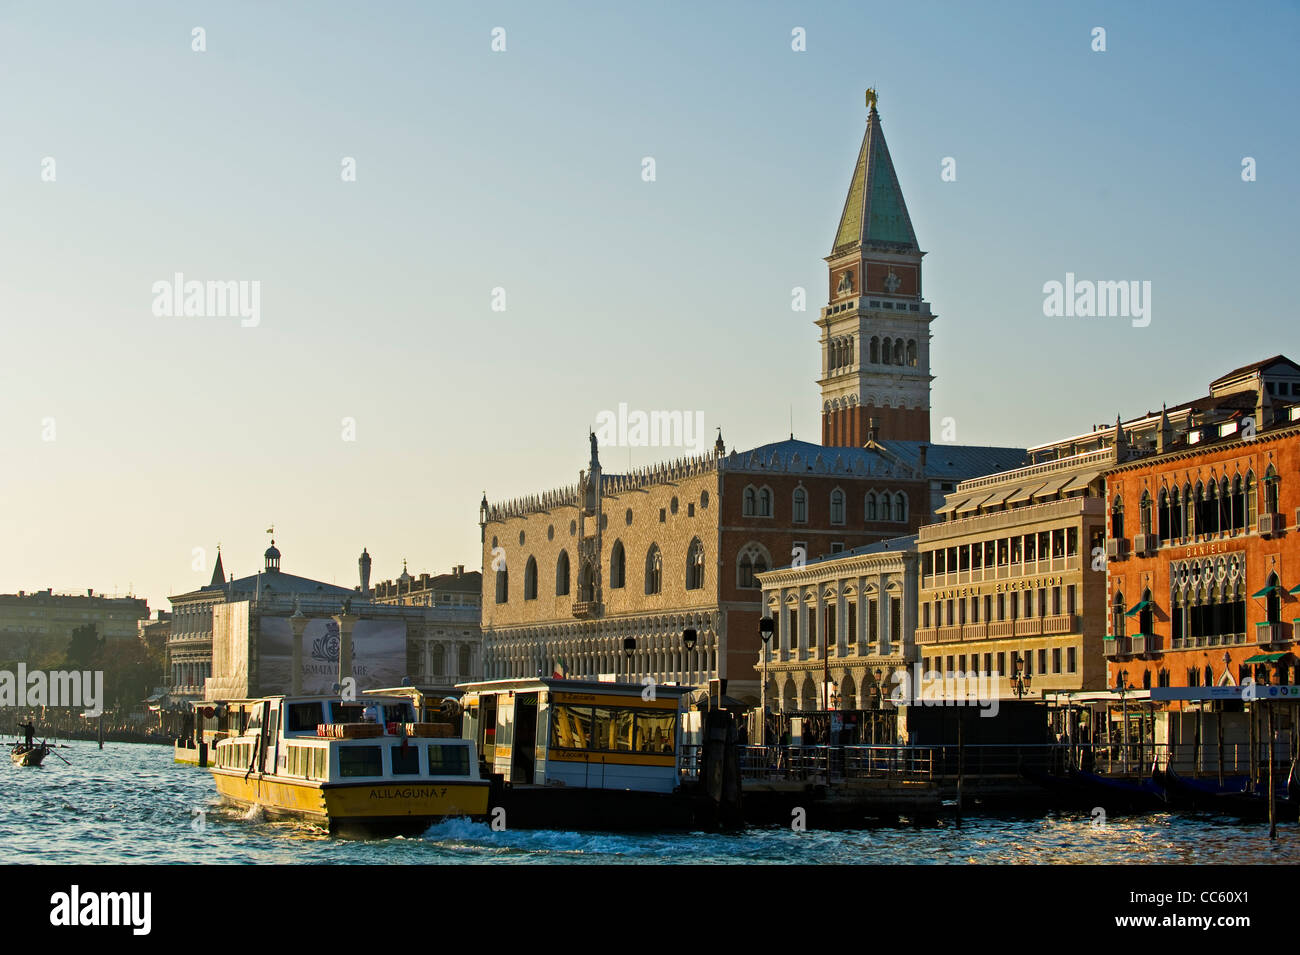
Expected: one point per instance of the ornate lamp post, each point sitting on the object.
(1020, 676)
(689, 636)
(629, 648)
(766, 628)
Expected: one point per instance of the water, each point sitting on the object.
(131, 804)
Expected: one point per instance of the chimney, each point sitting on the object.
(924, 449)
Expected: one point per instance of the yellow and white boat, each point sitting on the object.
(348, 765)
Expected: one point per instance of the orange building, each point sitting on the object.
(1203, 557)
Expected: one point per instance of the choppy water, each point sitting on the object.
(131, 803)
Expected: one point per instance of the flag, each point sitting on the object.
(561, 669)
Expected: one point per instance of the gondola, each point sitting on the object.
(24, 755)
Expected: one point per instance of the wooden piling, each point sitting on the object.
(1272, 787)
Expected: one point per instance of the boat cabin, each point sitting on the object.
(582, 734)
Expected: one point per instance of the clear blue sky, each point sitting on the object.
(522, 170)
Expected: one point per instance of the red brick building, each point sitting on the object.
(1203, 555)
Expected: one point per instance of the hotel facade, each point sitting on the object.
(1203, 551)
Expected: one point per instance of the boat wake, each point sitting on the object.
(468, 836)
(254, 814)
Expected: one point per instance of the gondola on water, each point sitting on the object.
(25, 755)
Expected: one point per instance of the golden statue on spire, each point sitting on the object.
(871, 98)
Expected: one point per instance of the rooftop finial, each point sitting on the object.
(871, 99)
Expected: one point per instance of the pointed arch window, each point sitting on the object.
(617, 566)
(1144, 513)
(1117, 615)
(562, 575)
(1162, 516)
(1146, 616)
(900, 507)
(749, 507)
(1252, 502)
(886, 507)
(1238, 505)
(799, 504)
(871, 506)
(754, 559)
(695, 565)
(1117, 518)
(765, 502)
(503, 586)
(837, 506)
(1271, 484)
(654, 570)
(530, 579)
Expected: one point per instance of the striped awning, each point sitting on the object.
(974, 504)
(1025, 492)
(1265, 658)
(1082, 480)
(1053, 487)
(951, 505)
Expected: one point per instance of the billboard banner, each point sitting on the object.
(378, 654)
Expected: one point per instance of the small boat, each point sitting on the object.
(24, 755)
(1201, 792)
(349, 766)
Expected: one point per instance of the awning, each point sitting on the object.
(1265, 658)
(1081, 481)
(1025, 492)
(1141, 605)
(1295, 589)
(973, 505)
(951, 505)
(1053, 486)
(1266, 591)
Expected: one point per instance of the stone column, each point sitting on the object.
(298, 623)
(346, 622)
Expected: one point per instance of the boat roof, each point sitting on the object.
(525, 684)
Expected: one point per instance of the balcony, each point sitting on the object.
(1115, 647)
(586, 609)
(1271, 634)
(1116, 548)
(1270, 524)
(1145, 544)
(1029, 627)
(1143, 643)
(925, 636)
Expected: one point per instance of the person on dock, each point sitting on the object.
(29, 730)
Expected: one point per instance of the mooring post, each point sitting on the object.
(961, 759)
(1218, 722)
(1272, 789)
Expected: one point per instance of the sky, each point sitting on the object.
(454, 317)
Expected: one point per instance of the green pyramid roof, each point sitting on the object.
(874, 212)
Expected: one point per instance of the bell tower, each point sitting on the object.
(875, 328)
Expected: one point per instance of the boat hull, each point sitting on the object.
(29, 757)
(362, 805)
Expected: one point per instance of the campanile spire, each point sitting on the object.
(875, 329)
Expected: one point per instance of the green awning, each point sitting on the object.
(1266, 591)
(1142, 605)
(1295, 589)
(1265, 658)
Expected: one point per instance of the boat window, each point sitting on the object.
(448, 760)
(320, 763)
(655, 731)
(613, 729)
(254, 721)
(399, 713)
(570, 726)
(406, 760)
(347, 712)
(305, 716)
(360, 761)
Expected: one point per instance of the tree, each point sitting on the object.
(83, 648)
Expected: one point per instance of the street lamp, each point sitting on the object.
(629, 648)
(1020, 676)
(766, 628)
(689, 636)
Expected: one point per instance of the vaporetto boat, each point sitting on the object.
(342, 765)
